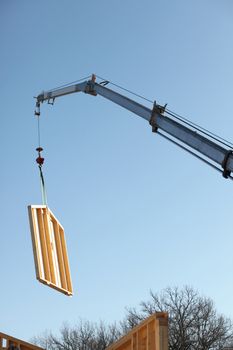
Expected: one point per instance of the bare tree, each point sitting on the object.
(84, 336)
(193, 321)
(194, 324)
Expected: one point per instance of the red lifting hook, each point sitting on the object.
(39, 160)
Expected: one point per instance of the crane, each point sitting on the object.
(207, 147)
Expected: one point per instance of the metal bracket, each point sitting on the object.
(226, 173)
(51, 101)
(104, 83)
(90, 88)
(157, 109)
(37, 109)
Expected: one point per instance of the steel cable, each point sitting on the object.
(191, 152)
(179, 117)
(72, 82)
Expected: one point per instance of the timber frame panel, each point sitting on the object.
(151, 334)
(10, 343)
(49, 249)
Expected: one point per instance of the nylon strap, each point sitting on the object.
(43, 191)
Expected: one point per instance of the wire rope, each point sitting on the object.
(191, 152)
(72, 82)
(175, 115)
(40, 161)
(200, 128)
(38, 130)
(124, 89)
(179, 117)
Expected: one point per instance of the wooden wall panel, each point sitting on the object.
(49, 249)
(10, 343)
(151, 334)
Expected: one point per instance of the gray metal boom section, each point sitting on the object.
(50, 95)
(189, 137)
(124, 101)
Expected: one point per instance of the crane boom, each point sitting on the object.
(207, 147)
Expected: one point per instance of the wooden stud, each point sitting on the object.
(35, 243)
(49, 245)
(151, 335)
(44, 250)
(60, 255)
(65, 259)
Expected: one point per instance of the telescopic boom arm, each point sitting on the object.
(212, 150)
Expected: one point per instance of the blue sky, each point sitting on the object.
(139, 214)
